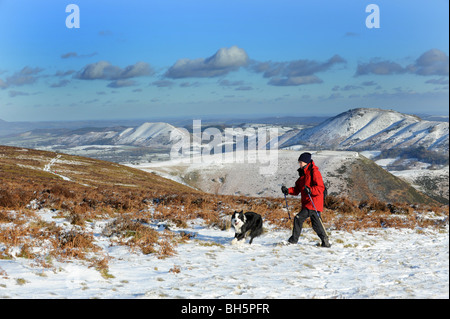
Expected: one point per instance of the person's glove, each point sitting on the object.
(285, 190)
(308, 190)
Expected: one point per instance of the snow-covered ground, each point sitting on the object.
(377, 263)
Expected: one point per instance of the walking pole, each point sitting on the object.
(287, 207)
(318, 214)
(313, 204)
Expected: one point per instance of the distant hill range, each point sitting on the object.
(147, 134)
(14, 128)
(148, 141)
(372, 129)
(361, 129)
(357, 129)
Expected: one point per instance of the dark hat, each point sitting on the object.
(305, 157)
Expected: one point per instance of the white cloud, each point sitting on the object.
(297, 72)
(25, 76)
(295, 80)
(106, 71)
(222, 62)
(432, 62)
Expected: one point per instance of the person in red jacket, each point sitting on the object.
(311, 187)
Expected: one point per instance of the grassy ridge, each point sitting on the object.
(90, 181)
(368, 178)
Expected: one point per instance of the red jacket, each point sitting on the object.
(317, 188)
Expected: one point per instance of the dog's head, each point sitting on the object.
(238, 219)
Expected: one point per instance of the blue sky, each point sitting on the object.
(150, 59)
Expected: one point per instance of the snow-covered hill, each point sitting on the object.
(373, 129)
(147, 134)
(146, 142)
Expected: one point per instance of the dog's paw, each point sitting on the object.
(237, 242)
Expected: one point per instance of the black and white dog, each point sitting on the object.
(246, 222)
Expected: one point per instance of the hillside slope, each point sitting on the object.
(146, 135)
(71, 181)
(373, 129)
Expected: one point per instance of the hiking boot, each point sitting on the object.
(325, 242)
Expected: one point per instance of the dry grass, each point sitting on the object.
(348, 215)
(41, 240)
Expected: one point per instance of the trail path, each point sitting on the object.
(48, 168)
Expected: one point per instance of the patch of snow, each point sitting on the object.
(386, 162)
(370, 154)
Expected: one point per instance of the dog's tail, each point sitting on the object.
(257, 232)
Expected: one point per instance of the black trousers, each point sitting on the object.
(316, 222)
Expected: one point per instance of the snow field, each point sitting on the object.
(377, 263)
